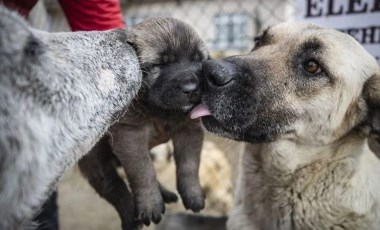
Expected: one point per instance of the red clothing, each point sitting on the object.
(93, 14)
(80, 14)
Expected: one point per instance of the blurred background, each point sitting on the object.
(228, 27)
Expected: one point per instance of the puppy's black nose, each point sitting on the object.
(217, 73)
(189, 84)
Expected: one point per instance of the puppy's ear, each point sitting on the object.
(371, 92)
(132, 40)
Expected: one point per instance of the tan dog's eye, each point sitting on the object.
(312, 67)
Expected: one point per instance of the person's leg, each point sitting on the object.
(84, 15)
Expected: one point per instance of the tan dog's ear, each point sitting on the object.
(371, 92)
(372, 96)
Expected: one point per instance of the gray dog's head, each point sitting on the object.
(300, 82)
(171, 55)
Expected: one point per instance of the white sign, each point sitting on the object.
(359, 18)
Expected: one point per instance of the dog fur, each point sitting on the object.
(59, 93)
(308, 164)
(171, 56)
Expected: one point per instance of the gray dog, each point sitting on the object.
(305, 98)
(171, 56)
(59, 93)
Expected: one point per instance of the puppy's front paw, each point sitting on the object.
(149, 207)
(193, 198)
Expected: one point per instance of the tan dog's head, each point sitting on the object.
(300, 81)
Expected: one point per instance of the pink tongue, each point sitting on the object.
(199, 111)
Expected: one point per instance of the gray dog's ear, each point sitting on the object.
(371, 92)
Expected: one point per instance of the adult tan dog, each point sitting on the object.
(305, 98)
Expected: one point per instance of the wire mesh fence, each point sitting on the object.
(227, 26)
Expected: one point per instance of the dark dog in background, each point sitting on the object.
(59, 93)
(171, 56)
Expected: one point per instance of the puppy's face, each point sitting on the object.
(171, 56)
(300, 81)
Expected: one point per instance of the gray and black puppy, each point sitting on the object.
(171, 55)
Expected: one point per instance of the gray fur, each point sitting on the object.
(59, 92)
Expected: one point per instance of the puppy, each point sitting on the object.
(171, 56)
(59, 93)
(305, 98)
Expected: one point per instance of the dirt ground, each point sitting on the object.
(80, 208)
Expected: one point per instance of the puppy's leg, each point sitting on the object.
(187, 142)
(130, 145)
(98, 168)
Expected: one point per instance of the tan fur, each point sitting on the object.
(323, 175)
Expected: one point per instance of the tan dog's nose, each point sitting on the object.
(217, 73)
